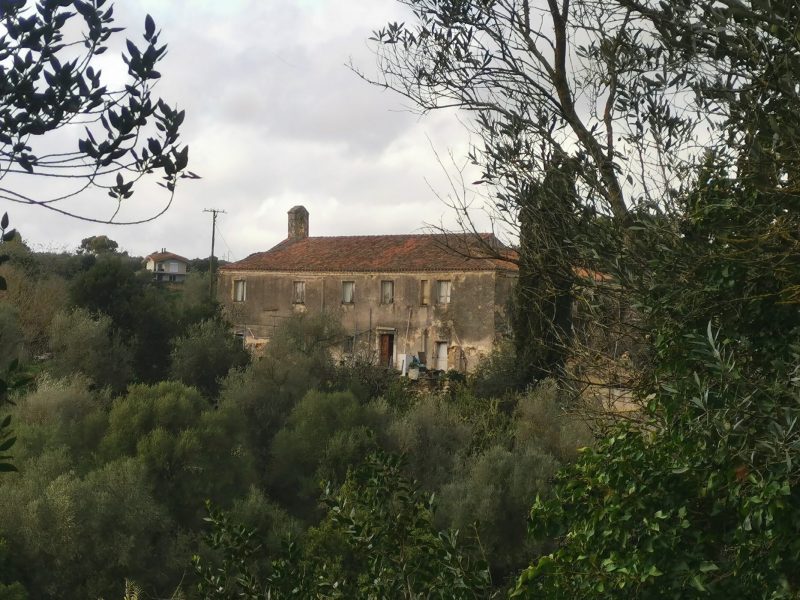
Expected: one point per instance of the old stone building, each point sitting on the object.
(397, 296)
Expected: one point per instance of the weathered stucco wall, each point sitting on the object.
(468, 324)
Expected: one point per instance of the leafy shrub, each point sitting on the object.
(324, 434)
(191, 451)
(11, 337)
(61, 413)
(36, 299)
(540, 419)
(386, 546)
(89, 344)
(494, 491)
(296, 360)
(433, 439)
(369, 381)
(205, 354)
(76, 536)
(498, 374)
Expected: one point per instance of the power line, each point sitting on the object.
(212, 271)
(224, 241)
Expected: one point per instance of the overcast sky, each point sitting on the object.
(274, 119)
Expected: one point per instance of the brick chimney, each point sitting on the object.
(298, 223)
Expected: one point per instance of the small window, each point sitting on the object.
(443, 292)
(424, 292)
(348, 292)
(173, 266)
(349, 344)
(387, 292)
(299, 292)
(239, 290)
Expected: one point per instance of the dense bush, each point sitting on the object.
(323, 436)
(36, 300)
(89, 344)
(11, 339)
(205, 354)
(109, 491)
(433, 439)
(498, 374)
(296, 361)
(377, 540)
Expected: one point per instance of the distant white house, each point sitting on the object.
(167, 266)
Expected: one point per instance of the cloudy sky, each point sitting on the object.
(275, 118)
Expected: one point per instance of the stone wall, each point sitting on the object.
(468, 324)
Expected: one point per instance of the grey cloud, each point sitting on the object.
(274, 118)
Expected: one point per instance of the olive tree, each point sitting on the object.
(51, 81)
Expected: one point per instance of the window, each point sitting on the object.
(173, 266)
(424, 292)
(348, 292)
(443, 292)
(299, 292)
(387, 292)
(349, 344)
(239, 290)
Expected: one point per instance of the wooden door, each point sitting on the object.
(386, 349)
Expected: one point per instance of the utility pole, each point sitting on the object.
(212, 271)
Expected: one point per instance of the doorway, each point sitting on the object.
(441, 356)
(386, 356)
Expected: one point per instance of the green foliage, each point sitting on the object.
(512, 459)
(190, 450)
(14, 591)
(498, 373)
(36, 297)
(256, 510)
(205, 354)
(494, 492)
(540, 419)
(699, 498)
(234, 576)
(81, 536)
(542, 306)
(110, 286)
(147, 316)
(678, 510)
(369, 381)
(297, 360)
(10, 335)
(61, 413)
(194, 302)
(53, 81)
(10, 587)
(97, 244)
(110, 491)
(387, 547)
(324, 434)
(433, 439)
(82, 343)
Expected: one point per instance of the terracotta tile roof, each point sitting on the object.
(159, 256)
(379, 253)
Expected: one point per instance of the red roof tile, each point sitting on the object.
(379, 253)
